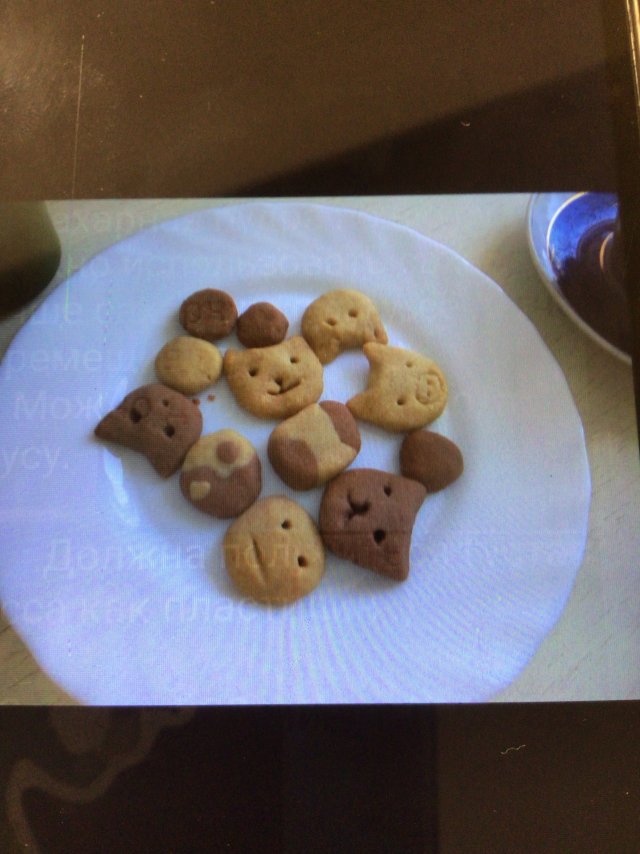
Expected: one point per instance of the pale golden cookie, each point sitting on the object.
(276, 381)
(221, 474)
(405, 390)
(273, 552)
(341, 320)
(188, 364)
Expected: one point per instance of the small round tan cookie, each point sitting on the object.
(273, 552)
(340, 320)
(208, 314)
(188, 364)
(405, 390)
(221, 474)
(274, 382)
(431, 459)
(314, 445)
(261, 325)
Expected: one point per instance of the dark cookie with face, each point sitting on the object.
(431, 459)
(209, 314)
(261, 325)
(314, 445)
(277, 381)
(367, 516)
(158, 422)
(221, 474)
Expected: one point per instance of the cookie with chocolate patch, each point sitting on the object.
(156, 421)
(277, 381)
(210, 314)
(221, 474)
(261, 325)
(367, 516)
(431, 459)
(340, 320)
(273, 552)
(309, 448)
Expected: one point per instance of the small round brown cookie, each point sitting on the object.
(209, 314)
(158, 422)
(221, 474)
(261, 325)
(273, 552)
(314, 445)
(188, 364)
(367, 516)
(431, 459)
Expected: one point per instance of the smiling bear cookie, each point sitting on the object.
(314, 445)
(277, 381)
(367, 516)
(341, 320)
(405, 390)
(273, 552)
(158, 422)
(221, 474)
(188, 365)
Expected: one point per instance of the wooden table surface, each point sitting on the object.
(594, 650)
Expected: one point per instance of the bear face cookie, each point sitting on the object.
(210, 314)
(221, 474)
(314, 445)
(277, 381)
(273, 552)
(158, 422)
(367, 517)
(405, 390)
(188, 364)
(341, 320)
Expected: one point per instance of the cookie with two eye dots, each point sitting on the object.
(277, 381)
(405, 390)
(156, 421)
(221, 474)
(273, 552)
(340, 320)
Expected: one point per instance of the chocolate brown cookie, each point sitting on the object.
(314, 445)
(431, 459)
(261, 325)
(209, 314)
(158, 422)
(367, 516)
(273, 552)
(221, 474)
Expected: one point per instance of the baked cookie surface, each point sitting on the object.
(273, 552)
(188, 365)
(367, 516)
(316, 444)
(156, 421)
(221, 474)
(431, 459)
(277, 381)
(261, 325)
(340, 320)
(405, 390)
(210, 314)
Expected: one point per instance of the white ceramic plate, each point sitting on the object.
(116, 583)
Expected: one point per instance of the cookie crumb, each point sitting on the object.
(196, 400)
(211, 397)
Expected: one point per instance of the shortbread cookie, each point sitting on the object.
(273, 552)
(405, 390)
(341, 320)
(158, 422)
(261, 325)
(277, 381)
(431, 459)
(314, 445)
(209, 314)
(367, 517)
(221, 474)
(188, 364)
